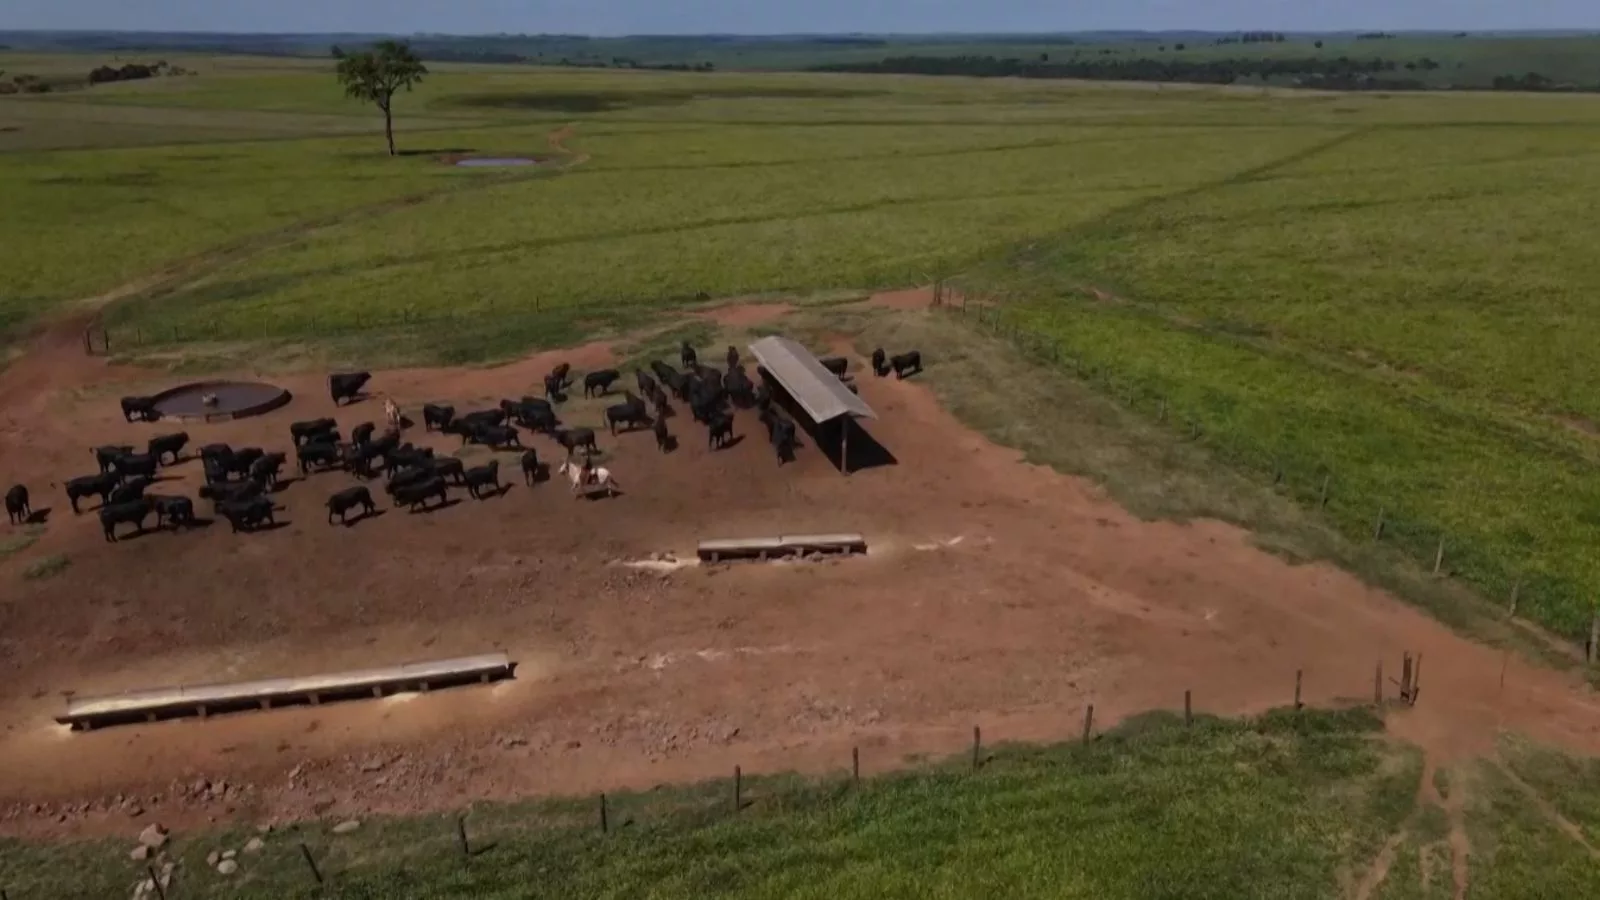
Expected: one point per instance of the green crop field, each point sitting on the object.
(1288, 805)
(1392, 292)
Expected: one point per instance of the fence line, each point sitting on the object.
(163, 885)
(1427, 545)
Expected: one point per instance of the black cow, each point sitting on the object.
(247, 515)
(107, 456)
(906, 363)
(733, 358)
(347, 385)
(130, 490)
(362, 434)
(417, 495)
(139, 409)
(686, 355)
(573, 438)
(306, 431)
(554, 388)
(134, 512)
(739, 388)
(484, 417)
(763, 396)
(266, 469)
(321, 454)
(599, 383)
(783, 440)
(159, 447)
(530, 466)
(404, 478)
(663, 439)
(497, 436)
(663, 408)
(721, 431)
(341, 503)
(130, 465)
(234, 492)
(480, 477)
(664, 372)
(407, 456)
(216, 470)
(242, 459)
(17, 509)
(770, 417)
(436, 416)
(838, 365)
(175, 510)
(647, 385)
(358, 459)
(447, 467)
(537, 416)
(560, 373)
(629, 414)
(880, 363)
(216, 451)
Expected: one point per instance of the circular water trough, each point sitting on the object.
(234, 400)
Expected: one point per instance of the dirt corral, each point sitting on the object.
(994, 593)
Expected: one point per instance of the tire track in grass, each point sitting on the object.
(1548, 810)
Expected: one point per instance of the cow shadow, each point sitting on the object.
(731, 443)
(347, 402)
(266, 526)
(671, 444)
(356, 520)
(196, 522)
(501, 491)
(37, 517)
(283, 484)
(428, 510)
(160, 478)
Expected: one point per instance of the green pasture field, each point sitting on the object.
(1285, 806)
(1392, 291)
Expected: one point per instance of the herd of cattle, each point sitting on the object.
(237, 480)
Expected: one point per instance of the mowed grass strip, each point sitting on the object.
(1274, 807)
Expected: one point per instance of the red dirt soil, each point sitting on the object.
(996, 593)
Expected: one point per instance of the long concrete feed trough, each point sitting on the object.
(203, 700)
(782, 546)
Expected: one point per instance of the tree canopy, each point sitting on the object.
(375, 75)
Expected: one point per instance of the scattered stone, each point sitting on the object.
(135, 811)
(213, 858)
(229, 854)
(139, 853)
(346, 826)
(374, 764)
(254, 845)
(264, 828)
(153, 836)
(227, 867)
(574, 745)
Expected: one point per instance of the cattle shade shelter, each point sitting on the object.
(818, 391)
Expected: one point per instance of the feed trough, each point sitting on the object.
(767, 548)
(219, 401)
(204, 700)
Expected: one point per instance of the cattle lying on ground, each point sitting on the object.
(418, 494)
(436, 416)
(139, 409)
(102, 484)
(481, 477)
(107, 456)
(174, 510)
(17, 509)
(347, 385)
(341, 503)
(597, 383)
(168, 444)
(319, 455)
(302, 432)
(130, 490)
(247, 515)
(530, 466)
(132, 512)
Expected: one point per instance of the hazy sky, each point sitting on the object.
(758, 17)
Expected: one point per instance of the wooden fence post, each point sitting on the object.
(1516, 586)
(1298, 676)
(1416, 680)
(461, 836)
(155, 881)
(1088, 723)
(738, 789)
(1377, 530)
(977, 745)
(1322, 499)
(605, 825)
(1377, 686)
(311, 863)
(1188, 709)
(855, 764)
(1438, 557)
(1405, 677)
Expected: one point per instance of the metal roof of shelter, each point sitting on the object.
(818, 391)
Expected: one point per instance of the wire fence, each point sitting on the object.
(1389, 688)
(1564, 605)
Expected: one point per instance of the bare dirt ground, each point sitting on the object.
(996, 593)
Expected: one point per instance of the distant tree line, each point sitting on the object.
(1253, 37)
(1342, 73)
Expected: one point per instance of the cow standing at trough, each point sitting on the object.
(346, 386)
(139, 409)
(17, 509)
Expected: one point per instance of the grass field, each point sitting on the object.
(1393, 291)
(1283, 806)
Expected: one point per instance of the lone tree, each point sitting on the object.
(375, 75)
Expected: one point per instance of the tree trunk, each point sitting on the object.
(388, 127)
